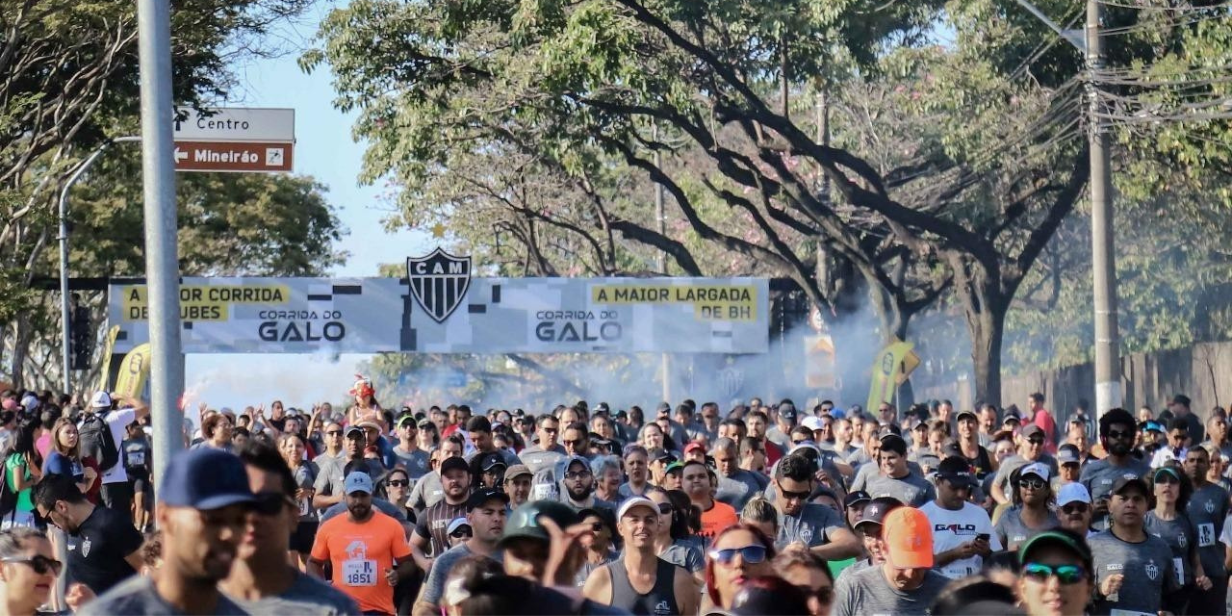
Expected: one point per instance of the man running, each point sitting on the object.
(485, 513)
(639, 581)
(1133, 569)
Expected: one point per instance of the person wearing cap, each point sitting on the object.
(1207, 510)
(710, 420)
(693, 431)
(429, 490)
(962, 533)
(261, 581)
(1069, 459)
(545, 453)
(1057, 574)
(906, 584)
(967, 445)
(480, 430)
(1133, 570)
(895, 477)
(853, 507)
(367, 549)
(695, 452)
(1030, 442)
(114, 551)
(815, 527)
(1074, 508)
(330, 483)
(640, 581)
(1178, 408)
(488, 469)
(115, 492)
(1030, 510)
(1116, 433)
(736, 485)
(410, 457)
(659, 459)
(486, 515)
(672, 476)
(203, 501)
(431, 528)
(1152, 437)
(578, 486)
(517, 484)
(1169, 521)
(868, 529)
(459, 532)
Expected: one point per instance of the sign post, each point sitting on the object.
(235, 140)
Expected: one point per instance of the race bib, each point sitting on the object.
(136, 458)
(1206, 535)
(358, 572)
(1178, 566)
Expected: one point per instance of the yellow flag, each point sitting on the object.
(133, 371)
(889, 371)
(104, 377)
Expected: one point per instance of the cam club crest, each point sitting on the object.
(439, 282)
(1152, 570)
(85, 548)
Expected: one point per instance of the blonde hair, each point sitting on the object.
(758, 509)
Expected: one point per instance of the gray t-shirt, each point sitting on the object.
(740, 488)
(428, 491)
(434, 587)
(1207, 509)
(536, 459)
(624, 491)
(867, 470)
(137, 595)
(1012, 531)
(1099, 475)
(1147, 568)
(307, 595)
(416, 463)
(684, 553)
(814, 526)
(1181, 537)
(867, 593)
(911, 490)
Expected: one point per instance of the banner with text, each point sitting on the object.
(443, 315)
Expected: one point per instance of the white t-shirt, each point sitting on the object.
(954, 528)
(118, 421)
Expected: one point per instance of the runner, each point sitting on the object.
(906, 583)
(1133, 569)
(639, 581)
(812, 526)
(430, 538)
(715, 515)
(1116, 434)
(962, 533)
(485, 513)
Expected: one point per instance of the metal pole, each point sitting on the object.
(63, 214)
(1103, 258)
(661, 225)
(161, 262)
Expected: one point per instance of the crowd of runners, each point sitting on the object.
(751, 508)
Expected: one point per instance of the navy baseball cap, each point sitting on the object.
(205, 479)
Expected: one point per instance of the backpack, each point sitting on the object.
(8, 496)
(97, 441)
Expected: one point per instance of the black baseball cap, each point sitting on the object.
(454, 463)
(893, 442)
(661, 455)
(354, 431)
(957, 471)
(855, 498)
(876, 510)
(483, 495)
(492, 460)
(1128, 481)
(967, 413)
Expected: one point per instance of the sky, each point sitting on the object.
(325, 150)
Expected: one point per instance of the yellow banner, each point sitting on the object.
(133, 372)
(710, 302)
(891, 367)
(205, 302)
(104, 376)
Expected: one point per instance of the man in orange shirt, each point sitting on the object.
(368, 550)
(716, 516)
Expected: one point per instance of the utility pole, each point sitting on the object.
(661, 225)
(161, 229)
(1103, 256)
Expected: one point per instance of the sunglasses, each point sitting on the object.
(1120, 434)
(665, 508)
(787, 494)
(271, 503)
(41, 564)
(1036, 441)
(1033, 484)
(751, 554)
(1065, 574)
(824, 595)
(461, 534)
(1075, 508)
(577, 476)
(399, 483)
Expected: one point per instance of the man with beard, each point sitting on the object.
(736, 485)
(815, 527)
(480, 430)
(546, 453)
(968, 447)
(431, 533)
(428, 491)
(579, 486)
(329, 483)
(1207, 509)
(662, 583)
(485, 513)
(103, 548)
(367, 549)
(905, 584)
(1117, 430)
(1133, 569)
(203, 500)
(261, 581)
(988, 424)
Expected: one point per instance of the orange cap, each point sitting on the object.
(909, 539)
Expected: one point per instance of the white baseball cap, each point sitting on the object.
(812, 423)
(1036, 468)
(1073, 493)
(635, 501)
(100, 400)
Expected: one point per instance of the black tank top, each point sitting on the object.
(660, 601)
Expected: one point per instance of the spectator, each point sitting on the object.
(23, 468)
(64, 458)
(116, 494)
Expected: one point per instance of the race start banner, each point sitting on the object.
(439, 308)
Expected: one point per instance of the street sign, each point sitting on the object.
(235, 124)
(235, 157)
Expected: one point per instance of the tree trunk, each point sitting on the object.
(21, 348)
(987, 329)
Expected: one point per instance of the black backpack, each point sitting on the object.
(97, 441)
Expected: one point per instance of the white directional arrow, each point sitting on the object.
(180, 155)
